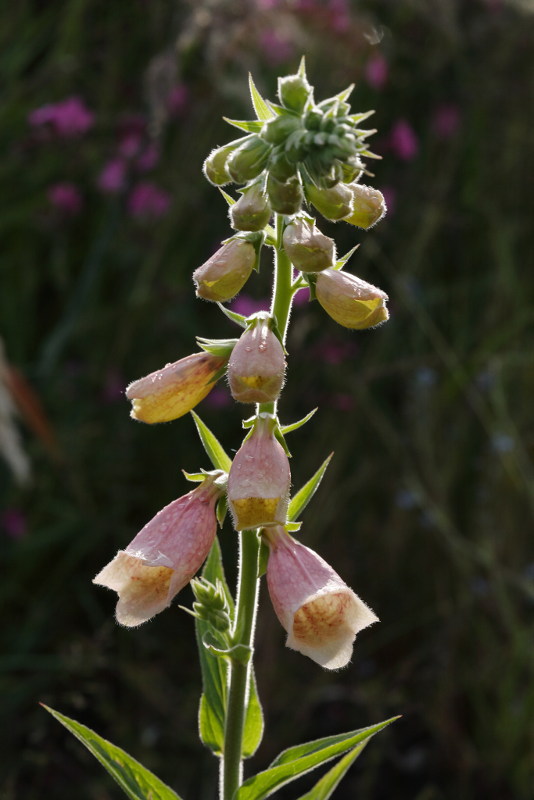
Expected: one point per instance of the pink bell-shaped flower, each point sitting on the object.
(164, 555)
(320, 613)
(173, 391)
(257, 365)
(259, 479)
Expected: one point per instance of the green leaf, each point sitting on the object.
(305, 494)
(325, 788)
(212, 709)
(250, 125)
(295, 425)
(212, 446)
(253, 729)
(137, 782)
(239, 319)
(229, 199)
(360, 117)
(261, 108)
(299, 760)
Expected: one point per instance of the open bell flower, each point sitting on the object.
(164, 555)
(320, 613)
(351, 301)
(259, 479)
(257, 365)
(173, 391)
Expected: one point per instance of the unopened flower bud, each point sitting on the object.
(320, 613)
(280, 168)
(223, 275)
(215, 166)
(278, 129)
(259, 479)
(257, 365)
(350, 301)
(369, 206)
(285, 197)
(308, 249)
(352, 170)
(334, 203)
(294, 92)
(173, 391)
(164, 556)
(251, 158)
(252, 211)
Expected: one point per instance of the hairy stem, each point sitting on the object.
(231, 768)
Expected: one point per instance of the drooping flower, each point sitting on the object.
(308, 249)
(259, 479)
(351, 301)
(173, 391)
(164, 555)
(368, 206)
(257, 364)
(223, 275)
(320, 613)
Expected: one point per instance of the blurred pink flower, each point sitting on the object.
(219, 397)
(403, 140)
(112, 178)
(301, 297)
(68, 118)
(130, 143)
(13, 521)
(148, 158)
(446, 120)
(376, 71)
(335, 352)
(339, 15)
(178, 100)
(390, 196)
(66, 198)
(148, 201)
(276, 47)
(246, 305)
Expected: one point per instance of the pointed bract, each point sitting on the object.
(259, 479)
(175, 389)
(163, 557)
(320, 613)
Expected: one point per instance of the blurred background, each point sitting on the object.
(107, 113)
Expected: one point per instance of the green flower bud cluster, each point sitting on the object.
(211, 605)
(296, 150)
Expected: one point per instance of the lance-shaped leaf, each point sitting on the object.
(325, 787)
(261, 107)
(305, 494)
(295, 425)
(299, 760)
(250, 125)
(253, 729)
(219, 458)
(340, 263)
(137, 782)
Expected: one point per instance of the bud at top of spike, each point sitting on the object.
(350, 301)
(257, 365)
(276, 130)
(164, 555)
(252, 211)
(246, 163)
(223, 275)
(285, 197)
(259, 478)
(294, 92)
(334, 203)
(368, 206)
(173, 391)
(308, 249)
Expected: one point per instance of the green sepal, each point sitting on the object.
(230, 200)
(326, 786)
(239, 319)
(311, 280)
(221, 509)
(263, 558)
(240, 653)
(297, 761)
(295, 425)
(217, 347)
(279, 436)
(340, 97)
(250, 125)
(363, 133)
(261, 107)
(194, 477)
(369, 154)
(340, 263)
(354, 118)
(137, 782)
(219, 458)
(299, 502)
(293, 527)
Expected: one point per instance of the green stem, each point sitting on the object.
(247, 601)
(231, 768)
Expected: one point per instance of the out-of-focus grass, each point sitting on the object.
(426, 509)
